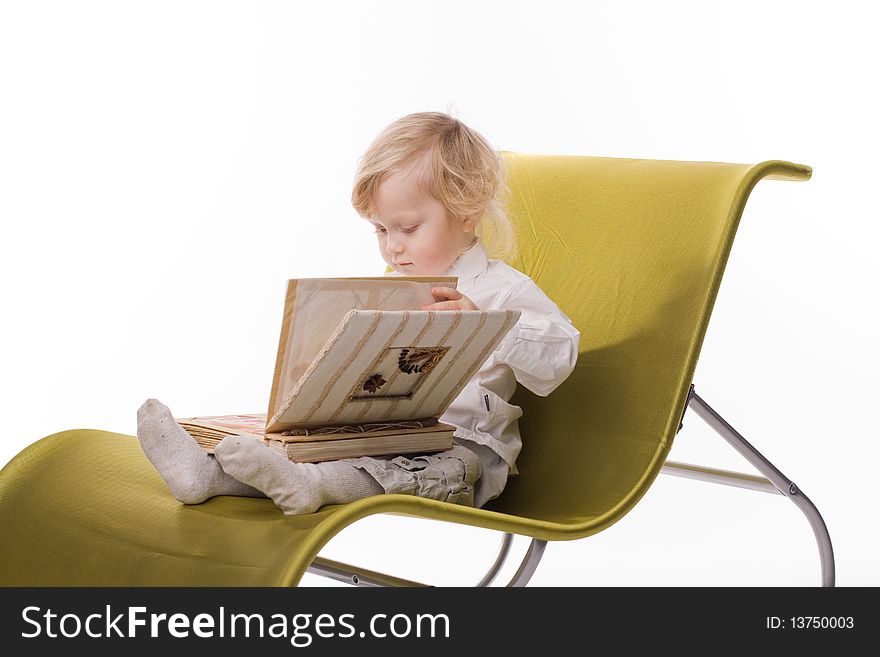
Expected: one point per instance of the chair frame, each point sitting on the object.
(773, 482)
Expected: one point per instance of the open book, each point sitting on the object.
(362, 371)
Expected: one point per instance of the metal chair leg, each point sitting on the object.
(499, 560)
(529, 563)
(343, 572)
(784, 485)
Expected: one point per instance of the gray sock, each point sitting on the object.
(294, 487)
(191, 474)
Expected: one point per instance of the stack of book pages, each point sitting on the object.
(325, 443)
(363, 440)
(211, 429)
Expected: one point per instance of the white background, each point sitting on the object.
(165, 167)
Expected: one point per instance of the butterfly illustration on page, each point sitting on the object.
(419, 360)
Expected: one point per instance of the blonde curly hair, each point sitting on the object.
(454, 165)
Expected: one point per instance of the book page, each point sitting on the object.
(248, 423)
(320, 304)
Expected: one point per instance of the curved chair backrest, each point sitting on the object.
(633, 251)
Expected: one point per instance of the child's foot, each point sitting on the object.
(294, 487)
(191, 474)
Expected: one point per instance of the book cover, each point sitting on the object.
(391, 365)
(314, 307)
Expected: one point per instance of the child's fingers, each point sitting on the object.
(445, 293)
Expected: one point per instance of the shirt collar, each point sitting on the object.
(469, 264)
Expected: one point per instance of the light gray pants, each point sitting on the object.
(452, 476)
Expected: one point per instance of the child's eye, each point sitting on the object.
(379, 230)
(410, 229)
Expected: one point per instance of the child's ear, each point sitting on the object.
(468, 224)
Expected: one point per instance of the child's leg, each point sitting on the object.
(449, 476)
(294, 487)
(191, 474)
(305, 487)
(494, 473)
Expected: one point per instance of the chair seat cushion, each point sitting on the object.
(88, 508)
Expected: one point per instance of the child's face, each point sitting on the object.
(416, 235)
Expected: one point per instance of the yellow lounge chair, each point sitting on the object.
(632, 250)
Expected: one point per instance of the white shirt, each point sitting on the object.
(539, 352)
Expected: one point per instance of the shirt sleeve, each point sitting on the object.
(542, 347)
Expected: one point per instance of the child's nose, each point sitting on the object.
(392, 246)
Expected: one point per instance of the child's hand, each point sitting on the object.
(448, 298)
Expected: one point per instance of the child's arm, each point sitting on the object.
(542, 347)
